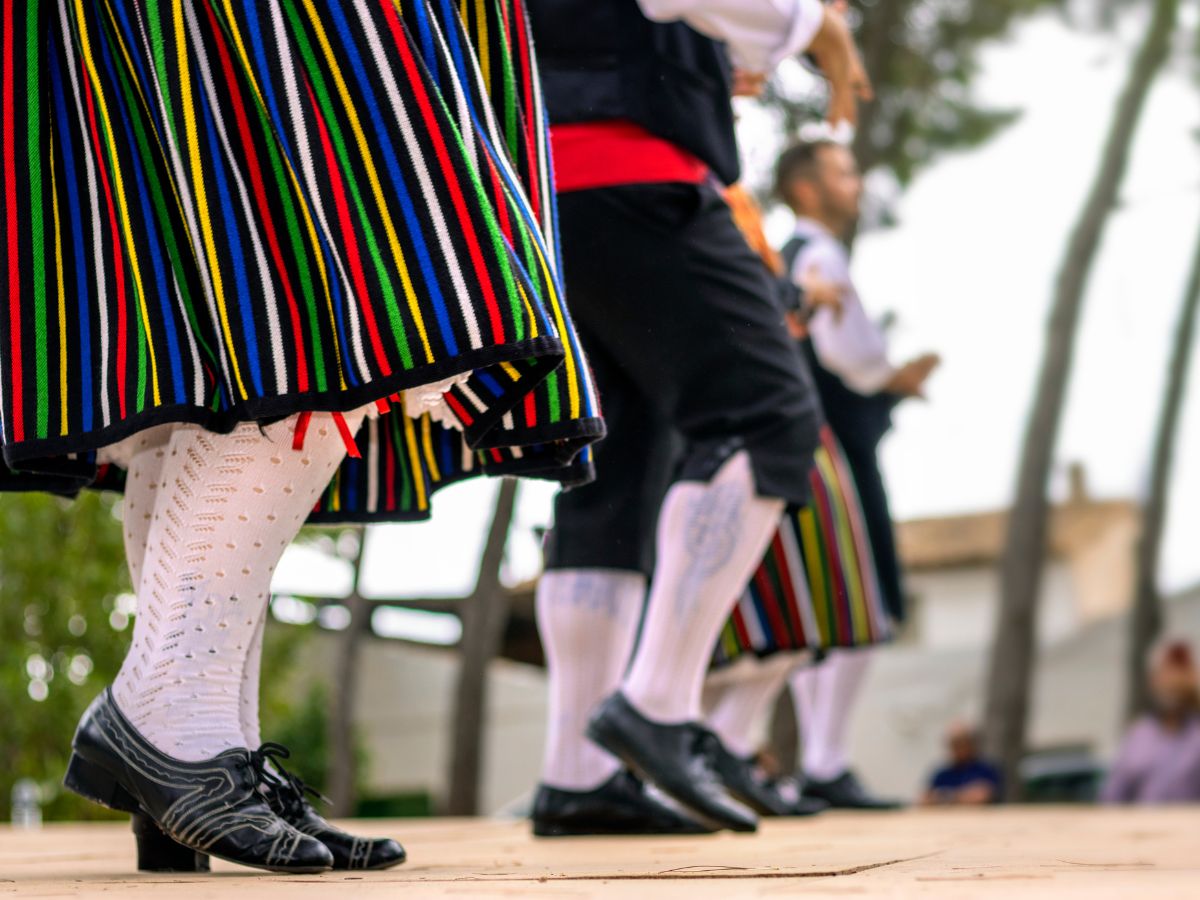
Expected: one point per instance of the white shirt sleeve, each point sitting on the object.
(851, 346)
(760, 33)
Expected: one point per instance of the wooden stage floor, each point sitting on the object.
(997, 853)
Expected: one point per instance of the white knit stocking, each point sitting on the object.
(710, 538)
(737, 706)
(252, 685)
(227, 507)
(588, 620)
(825, 696)
(147, 453)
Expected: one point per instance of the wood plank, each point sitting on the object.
(1005, 852)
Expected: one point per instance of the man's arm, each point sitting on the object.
(760, 33)
(846, 341)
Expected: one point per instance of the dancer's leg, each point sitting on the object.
(825, 698)
(143, 478)
(588, 621)
(662, 280)
(251, 685)
(589, 605)
(227, 507)
(738, 701)
(738, 705)
(710, 538)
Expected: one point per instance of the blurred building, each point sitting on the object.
(952, 570)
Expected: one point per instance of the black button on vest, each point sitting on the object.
(603, 59)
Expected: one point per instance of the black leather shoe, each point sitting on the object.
(286, 795)
(210, 807)
(619, 806)
(791, 789)
(806, 806)
(739, 777)
(672, 758)
(158, 853)
(847, 792)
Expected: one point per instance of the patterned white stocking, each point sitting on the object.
(738, 705)
(710, 538)
(227, 507)
(588, 621)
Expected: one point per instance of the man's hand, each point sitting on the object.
(797, 327)
(835, 54)
(820, 293)
(748, 84)
(977, 793)
(909, 380)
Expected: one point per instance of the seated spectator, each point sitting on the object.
(968, 780)
(1159, 759)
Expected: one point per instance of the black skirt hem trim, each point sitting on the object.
(570, 473)
(592, 428)
(546, 351)
(818, 652)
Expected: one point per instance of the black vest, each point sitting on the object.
(603, 59)
(859, 421)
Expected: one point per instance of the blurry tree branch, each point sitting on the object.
(484, 615)
(342, 776)
(1146, 615)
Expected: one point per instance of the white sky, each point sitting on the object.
(969, 272)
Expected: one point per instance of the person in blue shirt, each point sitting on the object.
(968, 779)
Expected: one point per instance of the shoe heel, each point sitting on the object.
(95, 783)
(158, 853)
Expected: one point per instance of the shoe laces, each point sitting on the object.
(277, 782)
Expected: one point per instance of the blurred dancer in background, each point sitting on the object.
(815, 589)
(859, 386)
(679, 320)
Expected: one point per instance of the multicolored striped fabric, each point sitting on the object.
(816, 588)
(238, 210)
(500, 103)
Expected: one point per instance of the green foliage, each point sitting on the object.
(926, 67)
(62, 636)
(302, 727)
(923, 56)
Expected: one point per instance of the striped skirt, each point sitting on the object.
(229, 210)
(816, 587)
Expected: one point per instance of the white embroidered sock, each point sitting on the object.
(588, 621)
(825, 695)
(710, 539)
(227, 507)
(738, 706)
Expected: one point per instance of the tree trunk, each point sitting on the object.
(1012, 658)
(1146, 616)
(342, 774)
(784, 733)
(484, 615)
